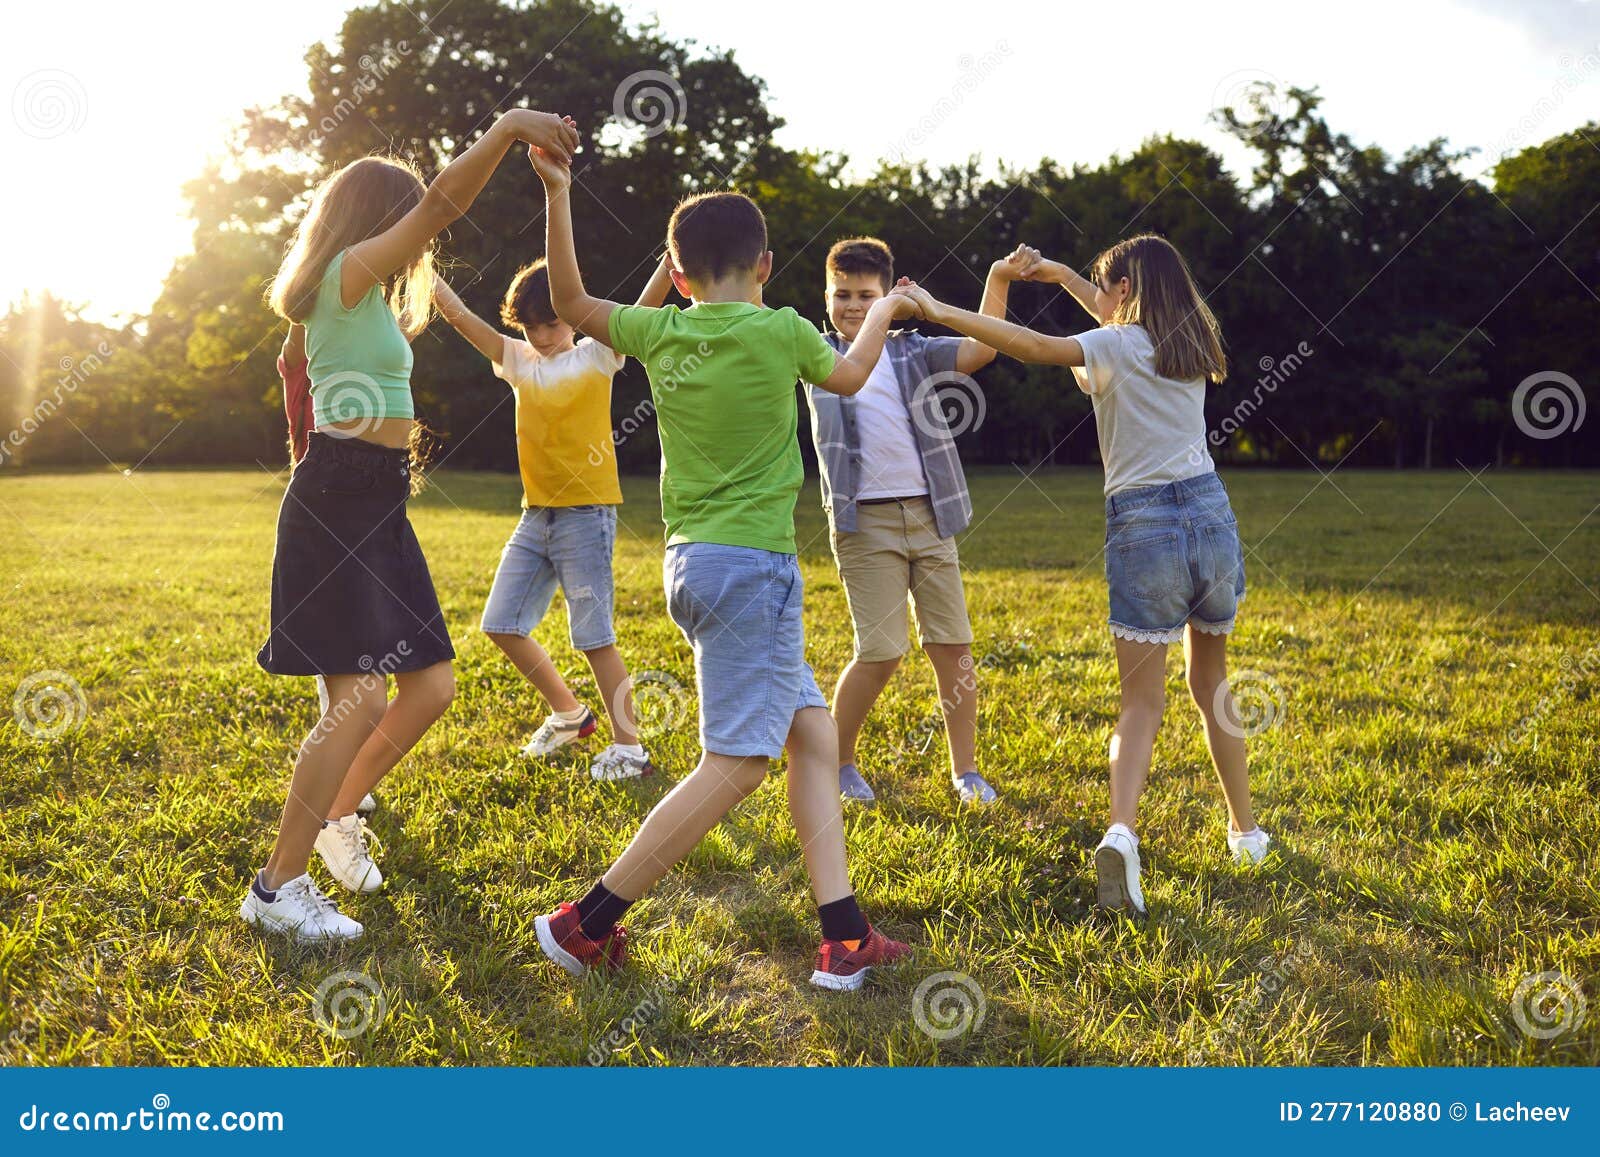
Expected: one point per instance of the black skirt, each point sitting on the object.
(351, 591)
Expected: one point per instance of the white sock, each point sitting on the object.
(632, 750)
(573, 716)
(1124, 829)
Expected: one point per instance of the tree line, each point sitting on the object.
(1379, 310)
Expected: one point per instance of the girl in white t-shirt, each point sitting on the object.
(1173, 560)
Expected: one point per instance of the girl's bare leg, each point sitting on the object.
(1206, 662)
(420, 698)
(1141, 669)
(356, 704)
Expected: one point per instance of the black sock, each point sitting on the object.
(842, 920)
(260, 889)
(599, 911)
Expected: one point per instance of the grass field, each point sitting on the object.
(1432, 781)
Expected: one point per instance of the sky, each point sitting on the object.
(100, 137)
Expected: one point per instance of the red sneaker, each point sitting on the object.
(564, 942)
(844, 970)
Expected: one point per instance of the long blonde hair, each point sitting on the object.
(1163, 298)
(360, 201)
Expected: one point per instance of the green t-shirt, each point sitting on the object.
(722, 375)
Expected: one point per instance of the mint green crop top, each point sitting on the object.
(358, 359)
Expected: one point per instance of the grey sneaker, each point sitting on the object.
(973, 788)
(852, 786)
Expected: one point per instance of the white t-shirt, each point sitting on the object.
(521, 365)
(891, 464)
(1152, 429)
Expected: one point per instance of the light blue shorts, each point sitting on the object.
(569, 546)
(1173, 558)
(740, 610)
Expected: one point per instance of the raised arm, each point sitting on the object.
(1038, 268)
(487, 340)
(654, 293)
(1015, 341)
(573, 303)
(452, 192)
(850, 372)
(973, 355)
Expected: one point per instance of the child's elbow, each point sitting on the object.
(439, 207)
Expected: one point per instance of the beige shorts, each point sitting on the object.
(895, 551)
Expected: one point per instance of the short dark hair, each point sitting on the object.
(715, 234)
(863, 255)
(527, 300)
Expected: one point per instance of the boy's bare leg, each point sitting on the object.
(420, 698)
(813, 747)
(1206, 661)
(859, 687)
(682, 819)
(356, 703)
(611, 676)
(536, 666)
(1142, 670)
(958, 698)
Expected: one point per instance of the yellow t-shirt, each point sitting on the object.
(564, 445)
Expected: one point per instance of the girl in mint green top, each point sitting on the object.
(352, 600)
(360, 359)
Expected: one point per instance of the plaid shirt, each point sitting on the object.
(915, 359)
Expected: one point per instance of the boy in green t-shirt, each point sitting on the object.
(722, 376)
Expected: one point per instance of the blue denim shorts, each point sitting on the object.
(740, 610)
(1173, 558)
(569, 546)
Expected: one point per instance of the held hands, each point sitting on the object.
(546, 131)
(555, 173)
(917, 301)
(1026, 264)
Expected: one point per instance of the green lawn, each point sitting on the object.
(1432, 782)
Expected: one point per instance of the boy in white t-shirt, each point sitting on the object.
(568, 529)
(1174, 564)
(896, 498)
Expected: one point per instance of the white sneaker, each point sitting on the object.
(367, 806)
(1116, 869)
(300, 911)
(342, 844)
(554, 734)
(1248, 847)
(614, 763)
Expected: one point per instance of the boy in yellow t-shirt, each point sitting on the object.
(567, 458)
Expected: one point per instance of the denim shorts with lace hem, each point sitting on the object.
(1173, 558)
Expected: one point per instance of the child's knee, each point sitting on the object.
(433, 691)
(1204, 684)
(505, 640)
(1144, 704)
(747, 775)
